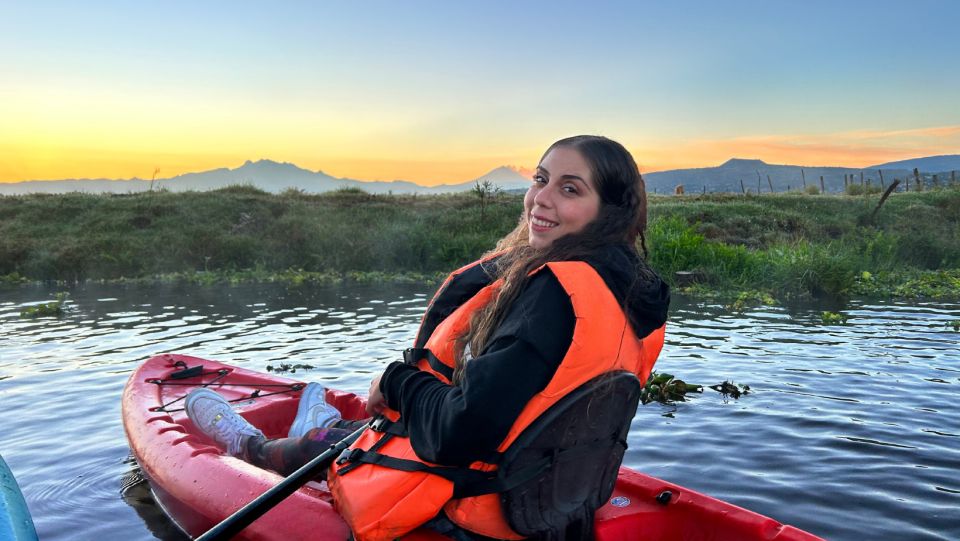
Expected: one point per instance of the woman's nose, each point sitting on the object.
(544, 196)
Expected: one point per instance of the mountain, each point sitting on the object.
(267, 175)
(930, 164)
(506, 177)
(278, 176)
(759, 175)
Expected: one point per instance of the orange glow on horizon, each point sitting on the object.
(856, 149)
(853, 149)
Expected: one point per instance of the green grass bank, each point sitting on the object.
(785, 245)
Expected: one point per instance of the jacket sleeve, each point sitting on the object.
(457, 425)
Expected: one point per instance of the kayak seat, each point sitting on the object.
(584, 436)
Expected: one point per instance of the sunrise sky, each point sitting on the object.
(438, 92)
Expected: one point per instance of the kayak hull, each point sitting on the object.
(198, 485)
(15, 521)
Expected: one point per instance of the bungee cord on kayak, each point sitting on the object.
(181, 378)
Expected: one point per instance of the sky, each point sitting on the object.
(439, 92)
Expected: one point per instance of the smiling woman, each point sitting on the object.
(563, 304)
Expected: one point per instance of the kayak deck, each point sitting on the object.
(198, 485)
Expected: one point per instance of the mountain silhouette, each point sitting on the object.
(734, 175)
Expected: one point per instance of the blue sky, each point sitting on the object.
(443, 91)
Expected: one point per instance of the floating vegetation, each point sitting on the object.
(747, 299)
(290, 277)
(664, 388)
(291, 368)
(955, 324)
(833, 318)
(47, 309)
(13, 278)
(909, 283)
(728, 388)
(933, 284)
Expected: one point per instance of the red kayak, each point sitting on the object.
(198, 485)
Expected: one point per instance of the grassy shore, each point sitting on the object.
(784, 245)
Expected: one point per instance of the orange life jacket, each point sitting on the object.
(381, 502)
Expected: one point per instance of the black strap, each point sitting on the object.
(460, 477)
(386, 426)
(468, 482)
(345, 456)
(413, 355)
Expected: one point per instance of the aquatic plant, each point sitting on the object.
(47, 309)
(728, 388)
(747, 299)
(833, 318)
(12, 278)
(664, 388)
(289, 368)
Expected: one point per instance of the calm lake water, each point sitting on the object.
(850, 432)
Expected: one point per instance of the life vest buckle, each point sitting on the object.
(349, 455)
(379, 424)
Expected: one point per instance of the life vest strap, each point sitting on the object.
(385, 426)
(413, 355)
(469, 482)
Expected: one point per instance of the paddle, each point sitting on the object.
(242, 518)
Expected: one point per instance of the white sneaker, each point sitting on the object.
(213, 415)
(313, 411)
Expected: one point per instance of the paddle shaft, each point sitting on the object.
(242, 518)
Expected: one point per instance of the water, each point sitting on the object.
(850, 432)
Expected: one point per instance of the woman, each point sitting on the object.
(494, 347)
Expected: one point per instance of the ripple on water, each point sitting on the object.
(848, 431)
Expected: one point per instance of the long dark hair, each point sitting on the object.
(622, 220)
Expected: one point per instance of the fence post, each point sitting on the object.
(886, 194)
(770, 183)
(804, 177)
(742, 188)
(918, 179)
(822, 188)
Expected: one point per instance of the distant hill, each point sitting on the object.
(759, 175)
(930, 164)
(264, 174)
(277, 176)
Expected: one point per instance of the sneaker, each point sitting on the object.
(213, 415)
(313, 412)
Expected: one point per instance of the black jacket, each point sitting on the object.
(457, 425)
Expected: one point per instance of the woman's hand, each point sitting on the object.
(375, 400)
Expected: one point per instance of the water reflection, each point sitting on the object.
(849, 431)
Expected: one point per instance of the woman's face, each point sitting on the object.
(563, 198)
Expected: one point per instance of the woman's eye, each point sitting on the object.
(539, 179)
(571, 189)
